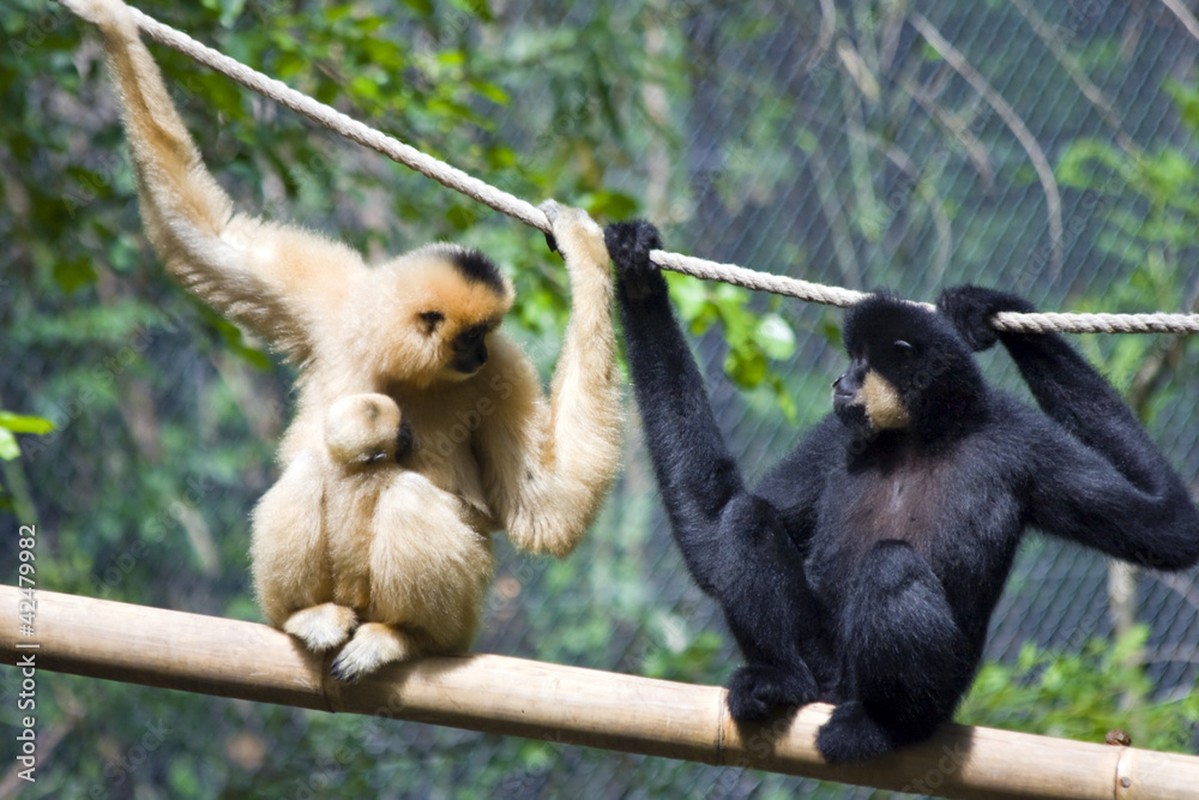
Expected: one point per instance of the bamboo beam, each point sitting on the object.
(497, 694)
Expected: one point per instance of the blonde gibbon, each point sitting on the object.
(376, 540)
(377, 534)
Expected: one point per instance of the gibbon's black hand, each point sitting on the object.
(629, 244)
(405, 441)
(971, 309)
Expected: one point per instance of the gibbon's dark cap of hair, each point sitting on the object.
(885, 317)
(477, 268)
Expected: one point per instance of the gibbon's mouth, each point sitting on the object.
(454, 374)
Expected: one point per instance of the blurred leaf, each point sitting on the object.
(9, 449)
(775, 337)
(21, 423)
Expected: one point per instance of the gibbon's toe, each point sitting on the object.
(551, 209)
(757, 692)
(373, 645)
(851, 735)
(321, 627)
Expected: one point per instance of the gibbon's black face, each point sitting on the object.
(462, 345)
(886, 339)
(470, 349)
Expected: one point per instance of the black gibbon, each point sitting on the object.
(863, 568)
(394, 560)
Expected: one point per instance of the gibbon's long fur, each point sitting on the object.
(489, 452)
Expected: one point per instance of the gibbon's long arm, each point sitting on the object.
(1099, 479)
(712, 512)
(548, 467)
(267, 277)
(743, 548)
(696, 475)
(1104, 484)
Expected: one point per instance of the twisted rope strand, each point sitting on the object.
(526, 212)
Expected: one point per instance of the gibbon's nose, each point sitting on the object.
(473, 359)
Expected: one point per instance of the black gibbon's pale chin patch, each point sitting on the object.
(883, 405)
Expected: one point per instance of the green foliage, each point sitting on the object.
(1083, 695)
(1150, 201)
(757, 341)
(11, 424)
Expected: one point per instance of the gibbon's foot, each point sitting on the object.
(322, 627)
(363, 429)
(103, 12)
(629, 244)
(758, 691)
(374, 644)
(851, 735)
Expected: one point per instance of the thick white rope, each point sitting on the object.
(532, 216)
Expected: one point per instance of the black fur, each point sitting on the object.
(863, 569)
(477, 268)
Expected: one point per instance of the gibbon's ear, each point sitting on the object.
(430, 321)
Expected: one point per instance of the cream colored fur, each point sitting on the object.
(884, 407)
(405, 548)
(381, 544)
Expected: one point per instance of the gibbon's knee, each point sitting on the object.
(363, 428)
(900, 630)
(429, 569)
(288, 563)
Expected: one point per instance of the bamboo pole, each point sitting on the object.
(497, 694)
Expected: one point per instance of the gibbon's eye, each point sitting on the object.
(904, 348)
(430, 320)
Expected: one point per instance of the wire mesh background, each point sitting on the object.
(854, 181)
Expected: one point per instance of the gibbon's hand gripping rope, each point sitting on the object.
(529, 214)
